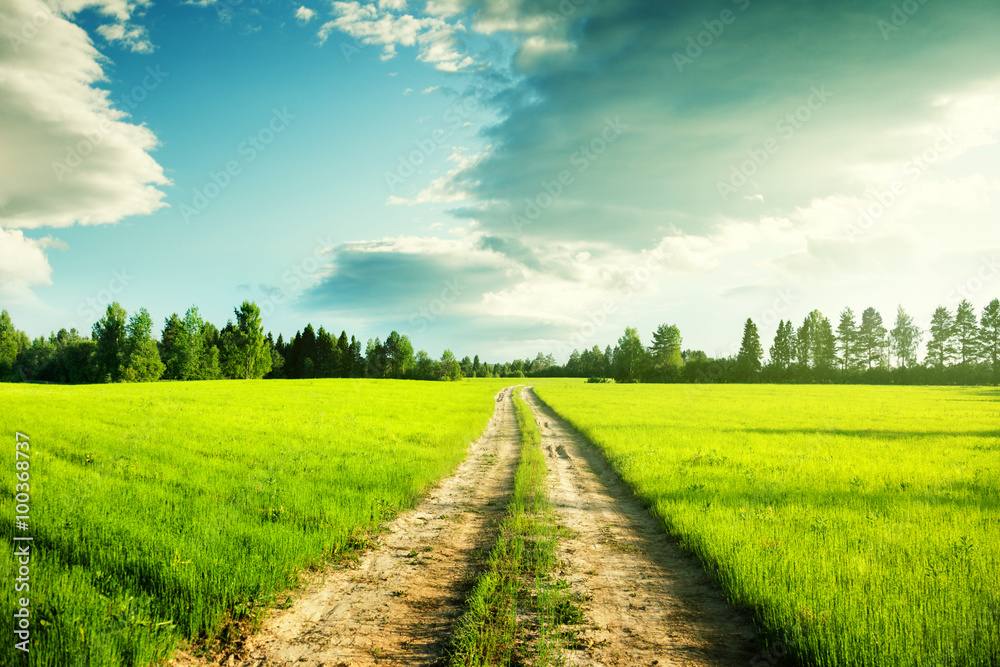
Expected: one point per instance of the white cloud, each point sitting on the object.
(304, 14)
(446, 189)
(23, 265)
(446, 8)
(369, 24)
(69, 155)
(133, 37)
(538, 49)
(395, 5)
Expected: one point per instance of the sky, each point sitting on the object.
(498, 177)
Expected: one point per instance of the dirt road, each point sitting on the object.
(646, 603)
(400, 604)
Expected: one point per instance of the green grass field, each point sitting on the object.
(179, 510)
(861, 524)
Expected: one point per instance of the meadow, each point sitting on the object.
(175, 512)
(860, 525)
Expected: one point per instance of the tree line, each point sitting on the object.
(122, 349)
(962, 348)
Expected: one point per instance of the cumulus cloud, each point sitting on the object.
(304, 14)
(133, 37)
(70, 156)
(23, 264)
(379, 25)
(744, 162)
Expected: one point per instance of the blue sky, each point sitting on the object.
(498, 177)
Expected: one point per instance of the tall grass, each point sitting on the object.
(177, 511)
(860, 523)
(515, 607)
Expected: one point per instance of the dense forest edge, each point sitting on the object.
(962, 348)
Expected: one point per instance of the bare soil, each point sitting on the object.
(644, 601)
(400, 603)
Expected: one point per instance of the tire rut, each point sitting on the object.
(646, 602)
(399, 605)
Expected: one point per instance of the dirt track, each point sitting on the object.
(399, 605)
(646, 602)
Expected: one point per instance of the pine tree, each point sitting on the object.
(989, 332)
(872, 338)
(346, 362)
(904, 338)
(847, 338)
(748, 361)
(804, 345)
(967, 336)
(824, 343)
(783, 349)
(176, 350)
(941, 347)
